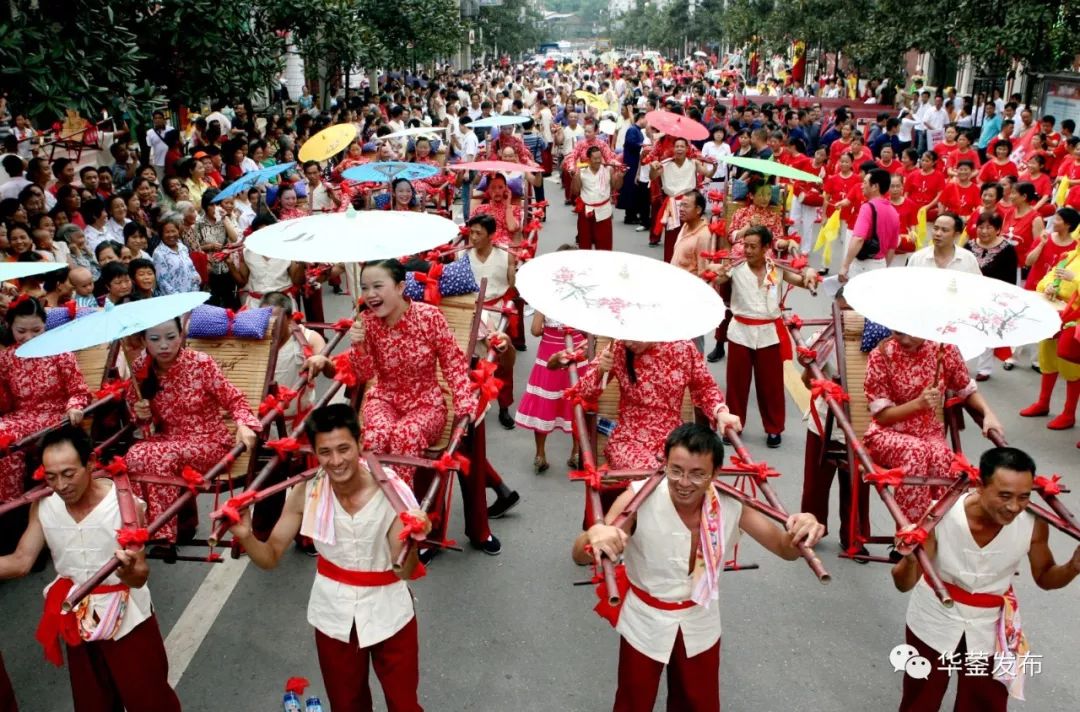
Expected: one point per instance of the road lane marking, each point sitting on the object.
(186, 637)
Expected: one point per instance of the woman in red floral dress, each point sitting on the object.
(183, 394)
(906, 381)
(500, 206)
(435, 186)
(653, 378)
(400, 342)
(34, 392)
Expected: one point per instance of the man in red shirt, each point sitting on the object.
(960, 196)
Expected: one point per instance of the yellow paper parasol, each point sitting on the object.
(597, 102)
(328, 142)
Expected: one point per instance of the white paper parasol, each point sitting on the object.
(967, 310)
(18, 270)
(110, 324)
(620, 295)
(352, 236)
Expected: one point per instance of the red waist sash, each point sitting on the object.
(781, 332)
(56, 625)
(654, 602)
(351, 577)
(976, 600)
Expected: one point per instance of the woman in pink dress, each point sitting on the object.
(544, 408)
(906, 381)
(34, 392)
(183, 393)
(400, 342)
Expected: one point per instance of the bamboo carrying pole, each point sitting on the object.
(859, 457)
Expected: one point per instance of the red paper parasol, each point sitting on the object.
(677, 125)
(495, 166)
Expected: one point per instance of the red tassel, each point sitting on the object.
(449, 462)
(231, 510)
(340, 325)
(960, 465)
(39, 473)
(591, 476)
(118, 466)
(298, 317)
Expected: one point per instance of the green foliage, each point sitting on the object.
(1043, 34)
(57, 55)
(513, 27)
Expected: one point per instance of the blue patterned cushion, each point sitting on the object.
(457, 279)
(58, 316)
(209, 322)
(872, 335)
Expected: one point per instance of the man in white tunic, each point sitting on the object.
(977, 548)
(592, 187)
(677, 178)
(360, 607)
(116, 656)
(758, 342)
(673, 560)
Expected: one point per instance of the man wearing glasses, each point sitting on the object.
(682, 534)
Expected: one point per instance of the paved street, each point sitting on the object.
(513, 633)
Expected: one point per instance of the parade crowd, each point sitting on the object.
(902, 177)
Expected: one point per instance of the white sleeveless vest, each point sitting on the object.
(962, 563)
(658, 561)
(80, 549)
(378, 612)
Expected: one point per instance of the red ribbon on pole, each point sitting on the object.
(1048, 485)
(193, 478)
(912, 537)
(960, 465)
(132, 538)
(889, 478)
(760, 470)
(343, 370)
(455, 461)
(412, 525)
(231, 509)
(39, 473)
(823, 387)
(118, 466)
(591, 475)
(484, 381)
(114, 388)
(343, 324)
(284, 446)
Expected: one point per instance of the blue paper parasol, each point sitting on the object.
(386, 171)
(110, 324)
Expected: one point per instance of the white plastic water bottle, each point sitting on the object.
(292, 702)
(313, 704)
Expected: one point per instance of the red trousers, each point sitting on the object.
(345, 671)
(973, 693)
(818, 473)
(7, 693)
(546, 161)
(131, 673)
(505, 373)
(592, 233)
(767, 369)
(693, 684)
